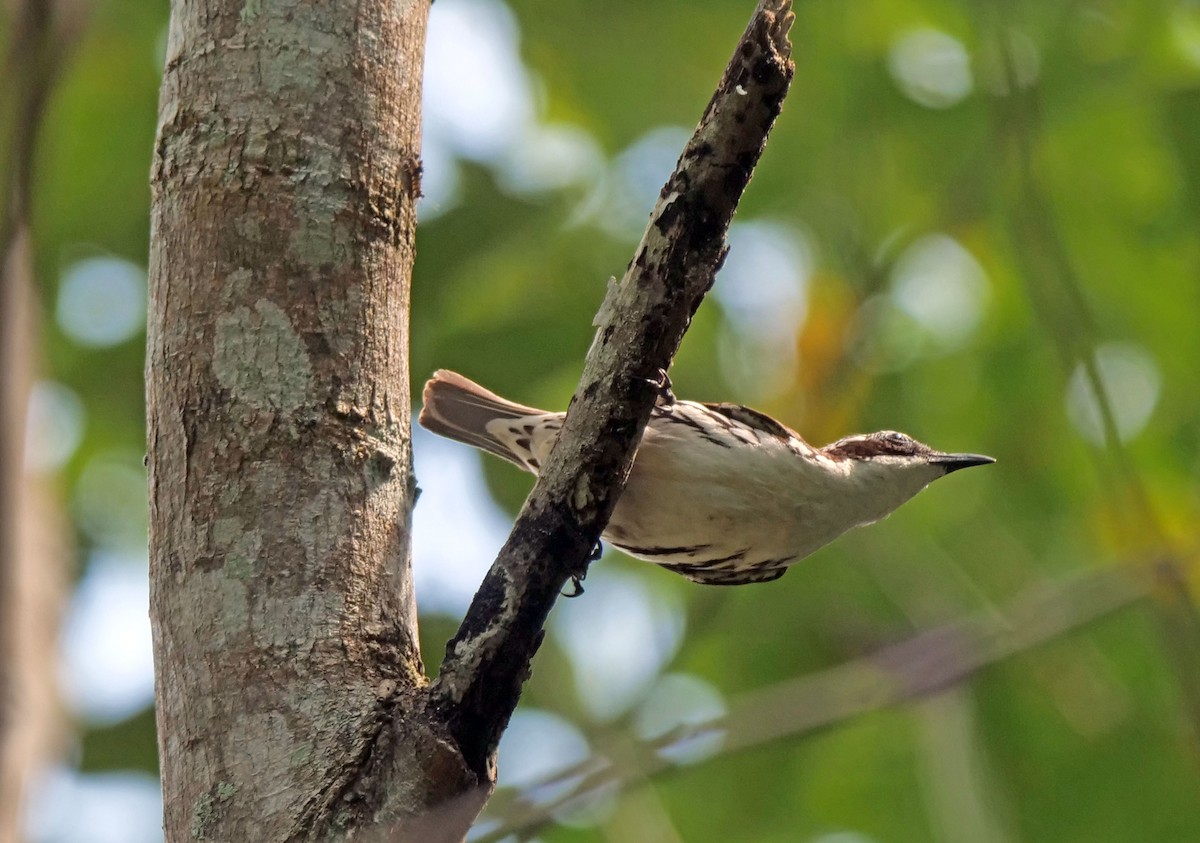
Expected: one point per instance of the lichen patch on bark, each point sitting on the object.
(260, 359)
(218, 589)
(467, 653)
(237, 545)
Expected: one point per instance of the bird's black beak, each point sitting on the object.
(953, 462)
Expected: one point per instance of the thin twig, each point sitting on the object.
(639, 328)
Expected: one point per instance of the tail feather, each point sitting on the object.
(460, 409)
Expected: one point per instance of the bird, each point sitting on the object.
(720, 493)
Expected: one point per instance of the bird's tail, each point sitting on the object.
(460, 409)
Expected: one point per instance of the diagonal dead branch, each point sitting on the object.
(638, 330)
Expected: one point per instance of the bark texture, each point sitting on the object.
(285, 175)
(638, 330)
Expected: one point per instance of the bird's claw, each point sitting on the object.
(576, 580)
(662, 385)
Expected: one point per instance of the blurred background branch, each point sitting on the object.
(32, 541)
(931, 664)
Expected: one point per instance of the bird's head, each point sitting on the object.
(887, 468)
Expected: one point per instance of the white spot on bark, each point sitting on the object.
(583, 497)
(470, 651)
(608, 307)
(260, 358)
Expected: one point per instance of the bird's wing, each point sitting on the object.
(754, 420)
(718, 576)
(690, 562)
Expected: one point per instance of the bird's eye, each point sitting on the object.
(897, 438)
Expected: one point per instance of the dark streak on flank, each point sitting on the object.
(722, 560)
(741, 576)
(700, 566)
(686, 568)
(662, 551)
(781, 562)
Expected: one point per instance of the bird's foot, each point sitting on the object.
(662, 385)
(576, 580)
(576, 587)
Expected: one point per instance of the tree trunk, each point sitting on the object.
(285, 175)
